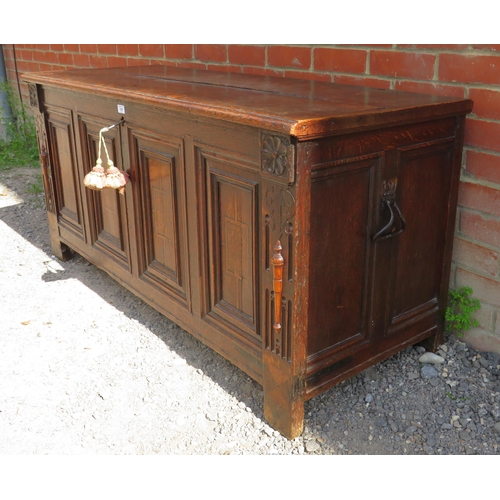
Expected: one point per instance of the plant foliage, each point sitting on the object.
(21, 149)
(459, 312)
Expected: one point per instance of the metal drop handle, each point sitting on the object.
(391, 229)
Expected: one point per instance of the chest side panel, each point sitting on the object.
(374, 278)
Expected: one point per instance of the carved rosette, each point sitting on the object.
(278, 156)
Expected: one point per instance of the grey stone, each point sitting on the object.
(430, 357)
(464, 435)
(381, 422)
(493, 357)
(371, 374)
(484, 362)
(312, 446)
(496, 413)
(482, 412)
(428, 372)
(393, 425)
(496, 427)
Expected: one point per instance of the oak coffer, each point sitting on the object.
(303, 230)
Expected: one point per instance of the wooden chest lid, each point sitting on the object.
(301, 108)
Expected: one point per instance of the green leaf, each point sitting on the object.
(461, 306)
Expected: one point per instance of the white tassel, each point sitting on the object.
(113, 178)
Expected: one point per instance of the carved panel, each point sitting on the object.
(278, 241)
(107, 208)
(33, 92)
(278, 340)
(280, 207)
(158, 167)
(231, 227)
(279, 212)
(48, 181)
(64, 170)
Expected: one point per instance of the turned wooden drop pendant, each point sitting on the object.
(278, 262)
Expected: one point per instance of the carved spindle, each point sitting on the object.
(278, 262)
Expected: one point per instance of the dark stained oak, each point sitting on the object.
(301, 229)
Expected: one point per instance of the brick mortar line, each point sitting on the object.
(474, 211)
(468, 147)
(477, 272)
(468, 178)
(480, 86)
(436, 68)
(488, 120)
(487, 246)
(469, 51)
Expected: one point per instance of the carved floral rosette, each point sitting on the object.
(277, 156)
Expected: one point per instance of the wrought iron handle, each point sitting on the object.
(390, 230)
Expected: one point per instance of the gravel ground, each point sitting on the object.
(88, 368)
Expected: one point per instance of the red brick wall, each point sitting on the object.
(458, 70)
